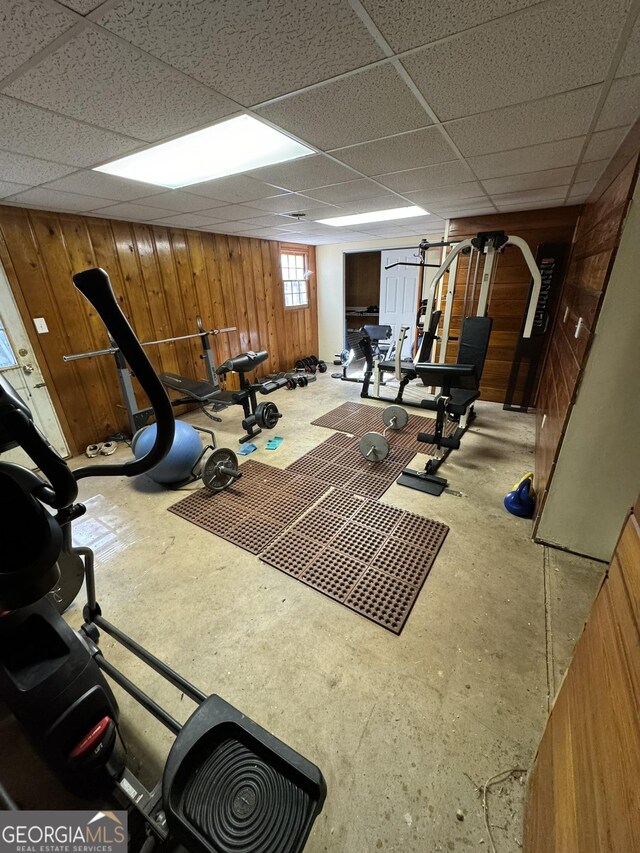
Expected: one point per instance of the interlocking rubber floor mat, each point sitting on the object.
(371, 557)
(259, 506)
(338, 462)
(358, 418)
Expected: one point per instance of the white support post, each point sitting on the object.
(537, 282)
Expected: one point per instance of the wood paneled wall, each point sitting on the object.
(163, 278)
(362, 279)
(583, 794)
(510, 292)
(594, 250)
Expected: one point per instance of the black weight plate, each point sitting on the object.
(322, 367)
(213, 477)
(70, 583)
(314, 359)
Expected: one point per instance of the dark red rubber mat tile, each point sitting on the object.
(259, 506)
(371, 485)
(383, 599)
(378, 516)
(341, 504)
(357, 539)
(334, 573)
(356, 555)
(339, 439)
(291, 553)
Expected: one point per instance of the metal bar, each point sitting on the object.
(112, 350)
(448, 311)
(537, 282)
(151, 660)
(487, 274)
(139, 695)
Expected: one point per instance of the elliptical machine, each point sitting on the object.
(228, 785)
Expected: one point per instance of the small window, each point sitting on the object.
(7, 356)
(294, 278)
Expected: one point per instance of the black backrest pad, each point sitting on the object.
(474, 342)
(378, 333)
(428, 337)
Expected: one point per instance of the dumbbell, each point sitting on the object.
(374, 446)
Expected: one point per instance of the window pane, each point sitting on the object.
(7, 358)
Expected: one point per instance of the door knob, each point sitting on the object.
(28, 368)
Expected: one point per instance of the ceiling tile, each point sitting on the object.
(591, 171)
(99, 79)
(529, 181)
(367, 105)
(304, 173)
(533, 158)
(442, 175)
(232, 212)
(347, 191)
(568, 44)
(229, 227)
(630, 62)
(581, 190)
(407, 151)
(604, 144)
(9, 188)
(323, 211)
(249, 51)
(622, 106)
(27, 26)
(83, 7)
(407, 23)
(286, 203)
(178, 201)
(558, 117)
(130, 210)
(235, 189)
(187, 220)
(104, 186)
(531, 205)
(451, 212)
(40, 133)
(28, 170)
(55, 200)
(541, 194)
(470, 189)
(267, 221)
(365, 205)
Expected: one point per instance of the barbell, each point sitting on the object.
(220, 470)
(375, 446)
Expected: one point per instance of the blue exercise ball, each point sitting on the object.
(177, 465)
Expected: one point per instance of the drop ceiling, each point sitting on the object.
(461, 107)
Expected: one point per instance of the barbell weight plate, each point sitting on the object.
(70, 581)
(314, 359)
(267, 415)
(374, 446)
(322, 366)
(395, 417)
(213, 476)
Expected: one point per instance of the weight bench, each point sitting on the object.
(459, 389)
(196, 391)
(257, 416)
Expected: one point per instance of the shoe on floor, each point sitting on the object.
(93, 450)
(108, 447)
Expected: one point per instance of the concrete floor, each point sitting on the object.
(404, 728)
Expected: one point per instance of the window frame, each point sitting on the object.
(301, 252)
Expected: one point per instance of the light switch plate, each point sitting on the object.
(41, 325)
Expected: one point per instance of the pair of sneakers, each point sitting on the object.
(106, 448)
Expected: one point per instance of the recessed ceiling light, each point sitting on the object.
(376, 216)
(227, 148)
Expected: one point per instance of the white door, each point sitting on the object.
(399, 294)
(20, 368)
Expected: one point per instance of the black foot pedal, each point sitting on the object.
(230, 786)
(428, 483)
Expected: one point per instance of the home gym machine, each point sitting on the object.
(204, 393)
(228, 785)
(490, 244)
(459, 386)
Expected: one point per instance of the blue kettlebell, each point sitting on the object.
(521, 501)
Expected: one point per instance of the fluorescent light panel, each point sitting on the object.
(227, 148)
(377, 216)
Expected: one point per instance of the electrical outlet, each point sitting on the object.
(579, 326)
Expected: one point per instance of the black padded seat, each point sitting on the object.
(460, 400)
(198, 390)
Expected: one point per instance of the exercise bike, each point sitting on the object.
(228, 785)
